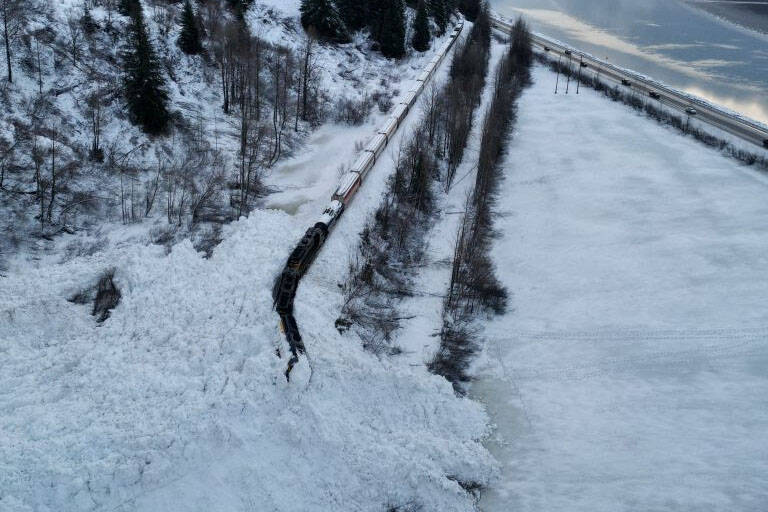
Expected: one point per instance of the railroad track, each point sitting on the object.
(687, 104)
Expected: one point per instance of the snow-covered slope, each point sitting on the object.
(178, 401)
(629, 372)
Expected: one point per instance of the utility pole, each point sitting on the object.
(581, 65)
(557, 82)
(568, 82)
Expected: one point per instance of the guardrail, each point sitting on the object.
(301, 258)
(719, 117)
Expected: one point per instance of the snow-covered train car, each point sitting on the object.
(400, 112)
(423, 77)
(376, 145)
(410, 99)
(348, 185)
(363, 164)
(389, 128)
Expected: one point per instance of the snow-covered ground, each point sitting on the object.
(178, 401)
(630, 372)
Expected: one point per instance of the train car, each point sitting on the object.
(410, 99)
(291, 330)
(349, 184)
(331, 214)
(400, 112)
(377, 145)
(364, 164)
(305, 251)
(389, 128)
(284, 291)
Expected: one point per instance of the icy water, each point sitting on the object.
(670, 40)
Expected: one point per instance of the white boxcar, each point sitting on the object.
(348, 185)
(400, 112)
(389, 128)
(376, 145)
(364, 164)
(423, 77)
(410, 99)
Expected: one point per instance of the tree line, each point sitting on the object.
(474, 288)
(384, 20)
(392, 243)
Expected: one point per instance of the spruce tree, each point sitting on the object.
(440, 10)
(144, 83)
(87, 22)
(189, 39)
(129, 7)
(391, 35)
(421, 35)
(324, 19)
(469, 8)
(354, 13)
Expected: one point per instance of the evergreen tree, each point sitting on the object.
(189, 39)
(421, 35)
(440, 10)
(144, 83)
(470, 8)
(129, 7)
(240, 7)
(87, 22)
(354, 13)
(391, 34)
(322, 16)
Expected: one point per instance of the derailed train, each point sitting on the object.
(286, 284)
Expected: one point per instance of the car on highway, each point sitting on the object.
(654, 95)
(765, 143)
(584, 65)
(568, 52)
(626, 82)
(691, 111)
(546, 48)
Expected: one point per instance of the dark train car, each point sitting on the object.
(285, 290)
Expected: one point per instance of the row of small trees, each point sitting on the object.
(391, 245)
(473, 287)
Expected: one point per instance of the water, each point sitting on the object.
(669, 40)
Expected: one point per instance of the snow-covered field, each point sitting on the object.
(631, 371)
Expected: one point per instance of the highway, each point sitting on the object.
(736, 125)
